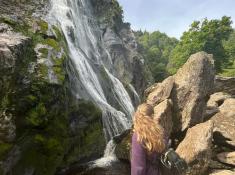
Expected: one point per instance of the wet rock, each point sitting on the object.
(7, 127)
(163, 114)
(5, 28)
(227, 158)
(196, 149)
(111, 39)
(159, 91)
(11, 44)
(224, 131)
(125, 58)
(225, 84)
(12, 158)
(123, 148)
(11, 50)
(104, 166)
(193, 83)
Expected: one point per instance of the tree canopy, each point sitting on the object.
(208, 36)
(229, 46)
(156, 48)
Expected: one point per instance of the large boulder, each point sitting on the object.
(193, 83)
(159, 91)
(225, 84)
(224, 131)
(196, 149)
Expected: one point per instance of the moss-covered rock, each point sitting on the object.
(123, 147)
(109, 13)
(50, 127)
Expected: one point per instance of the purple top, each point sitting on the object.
(141, 162)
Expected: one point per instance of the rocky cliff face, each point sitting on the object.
(43, 126)
(121, 43)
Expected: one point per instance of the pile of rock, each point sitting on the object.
(185, 103)
(207, 119)
(198, 112)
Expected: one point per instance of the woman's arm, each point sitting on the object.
(138, 157)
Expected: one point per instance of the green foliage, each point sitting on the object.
(8, 20)
(207, 36)
(36, 116)
(229, 46)
(110, 12)
(4, 149)
(59, 73)
(43, 26)
(44, 52)
(90, 141)
(156, 48)
(53, 43)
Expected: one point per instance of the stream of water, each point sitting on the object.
(89, 62)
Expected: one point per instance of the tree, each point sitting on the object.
(156, 48)
(229, 46)
(207, 36)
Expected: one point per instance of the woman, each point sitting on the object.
(147, 143)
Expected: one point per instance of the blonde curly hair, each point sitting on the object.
(148, 131)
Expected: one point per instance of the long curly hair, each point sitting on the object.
(149, 132)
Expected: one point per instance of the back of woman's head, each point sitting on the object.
(148, 131)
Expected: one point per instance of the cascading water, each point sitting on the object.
(89, 62)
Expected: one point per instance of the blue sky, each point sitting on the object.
(173, 16)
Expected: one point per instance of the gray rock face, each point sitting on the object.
(10, 46)
(20, 8)
(193, 83)
(11, 50)
(224, 131)
(4, 28)
(128, 66)
(196, 149)
(225, 84)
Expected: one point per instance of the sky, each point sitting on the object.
(173, 17)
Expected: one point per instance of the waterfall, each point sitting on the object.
(90, 62)
(108, 158)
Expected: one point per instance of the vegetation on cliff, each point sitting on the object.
(109, 13)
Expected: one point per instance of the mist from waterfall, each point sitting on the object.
(89, 62)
